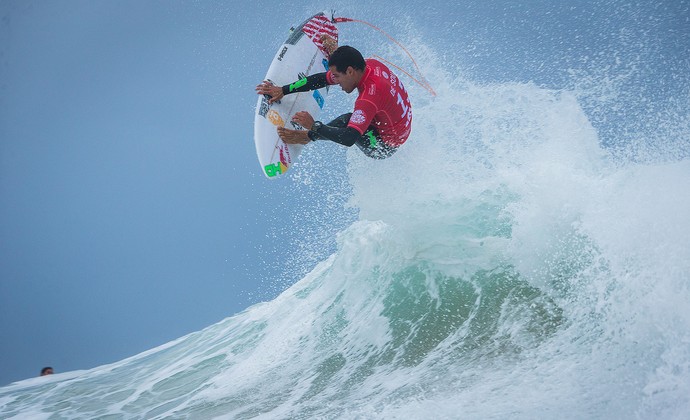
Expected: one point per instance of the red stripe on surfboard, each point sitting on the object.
(317, 26)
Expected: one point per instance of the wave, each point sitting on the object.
(503, 264)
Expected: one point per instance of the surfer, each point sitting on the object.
(382, 117)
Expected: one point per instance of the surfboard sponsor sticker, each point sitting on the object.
(282, 53)
(274, 169)
(285, 154)
(319, 99)
(275, 118)
(280, 167)
(265, 106)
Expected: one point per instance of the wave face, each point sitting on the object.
(504, 264)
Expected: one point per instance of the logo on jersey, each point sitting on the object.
(358, 117)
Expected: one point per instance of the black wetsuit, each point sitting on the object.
(337, 130)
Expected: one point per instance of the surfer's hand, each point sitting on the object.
(268, 88)
(304, 119)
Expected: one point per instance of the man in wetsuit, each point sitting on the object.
(382, 118)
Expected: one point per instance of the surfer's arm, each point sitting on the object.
(305, 84)
(345, 130)
(347, 136)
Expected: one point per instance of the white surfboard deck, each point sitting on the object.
(298, 57)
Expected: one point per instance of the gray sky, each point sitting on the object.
(132, 208)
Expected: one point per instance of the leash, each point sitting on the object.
(423, 83)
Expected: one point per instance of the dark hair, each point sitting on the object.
(45, 370)
(345, 57)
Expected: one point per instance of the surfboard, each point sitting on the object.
(302, 54)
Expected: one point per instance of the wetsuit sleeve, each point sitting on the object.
(347, 136)
(305, 84)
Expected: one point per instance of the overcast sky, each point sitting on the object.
(132, 207)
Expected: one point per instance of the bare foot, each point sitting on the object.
(329, 44)
(293, 136)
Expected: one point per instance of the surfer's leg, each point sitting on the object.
(372, 145)
(370, 142)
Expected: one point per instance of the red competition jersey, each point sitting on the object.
(382, 102)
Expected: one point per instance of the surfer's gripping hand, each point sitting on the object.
(268, 88)
(304, 119)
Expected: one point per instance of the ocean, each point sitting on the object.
(525, 255)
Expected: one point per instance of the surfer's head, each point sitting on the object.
(347, 67)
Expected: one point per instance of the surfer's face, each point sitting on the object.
(348, 81)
